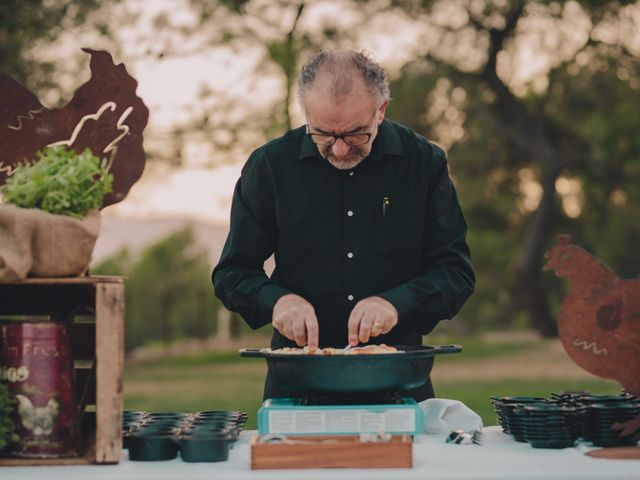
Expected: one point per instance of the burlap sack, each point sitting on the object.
(39, 244)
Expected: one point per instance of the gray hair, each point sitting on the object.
(341, 64)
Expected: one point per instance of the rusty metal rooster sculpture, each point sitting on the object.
(105, 115)
(599, 320)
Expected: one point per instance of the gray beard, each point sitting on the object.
(344, 165)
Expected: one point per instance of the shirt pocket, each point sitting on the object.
(400, 231)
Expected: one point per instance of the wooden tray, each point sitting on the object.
(332, 451)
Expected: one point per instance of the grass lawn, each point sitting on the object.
(223, 380)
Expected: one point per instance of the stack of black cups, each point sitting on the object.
(199, 437)
(600, 412)
(563, 419)
(540, 422)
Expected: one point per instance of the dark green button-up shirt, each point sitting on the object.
(392, 226)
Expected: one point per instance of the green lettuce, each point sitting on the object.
(61, 182)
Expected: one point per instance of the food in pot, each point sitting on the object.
(365, 350)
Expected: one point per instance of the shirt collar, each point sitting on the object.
(387, 142)
(308, 148)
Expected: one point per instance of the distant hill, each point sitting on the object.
(135, 234)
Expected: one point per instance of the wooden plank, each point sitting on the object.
(326, 451)
(109, 367)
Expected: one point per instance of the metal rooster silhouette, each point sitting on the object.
(599, 320)
(105, 115)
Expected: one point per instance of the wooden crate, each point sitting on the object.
(331, 451)
(93, 310)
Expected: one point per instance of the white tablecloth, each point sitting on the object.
(500, 457)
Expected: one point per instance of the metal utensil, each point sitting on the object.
(460, 437)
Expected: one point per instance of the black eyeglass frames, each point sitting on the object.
(352, 139)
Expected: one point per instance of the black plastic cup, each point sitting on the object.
(204, 447)
(152, 447)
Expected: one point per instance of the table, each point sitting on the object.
(500, 457)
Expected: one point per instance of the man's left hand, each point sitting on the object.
(371, 317)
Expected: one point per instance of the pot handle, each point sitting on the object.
(252, 352)
(437, 349)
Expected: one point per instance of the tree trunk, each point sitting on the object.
(531, 285)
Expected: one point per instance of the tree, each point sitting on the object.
(168, 291)
(553, 150)
(28, 28)
(526, 167)
(519, 142)
(273, 37)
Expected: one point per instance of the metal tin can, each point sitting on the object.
(36, 364)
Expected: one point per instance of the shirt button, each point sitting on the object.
(351, 174)
(350, 255)
(350, 298)
(350, 213)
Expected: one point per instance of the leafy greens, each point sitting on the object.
(61, 182)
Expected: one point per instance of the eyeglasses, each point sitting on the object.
(352, 139)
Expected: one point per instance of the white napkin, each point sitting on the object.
(443, 416)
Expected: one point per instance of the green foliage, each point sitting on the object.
(61, 182)
(609, 170)
(118, 264)
(27, 25)
(235, 5)
(168, 291)
(6, 409)
(582, 126)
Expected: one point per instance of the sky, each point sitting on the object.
(202, 194)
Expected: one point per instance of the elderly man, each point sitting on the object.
(361, 215)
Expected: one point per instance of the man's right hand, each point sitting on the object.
(295, 318)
